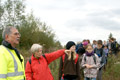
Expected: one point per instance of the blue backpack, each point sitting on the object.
(99, 52)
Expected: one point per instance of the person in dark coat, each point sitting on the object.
(69, 64)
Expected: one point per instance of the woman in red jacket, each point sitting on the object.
(37, 67)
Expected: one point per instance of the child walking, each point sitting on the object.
(101, 55)
(90, 63)
(106, 53)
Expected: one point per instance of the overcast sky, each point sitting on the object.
(78, 19)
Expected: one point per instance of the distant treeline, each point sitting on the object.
(32, 30)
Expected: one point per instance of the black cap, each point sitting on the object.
(69, 44)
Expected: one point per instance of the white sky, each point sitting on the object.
(78, 19)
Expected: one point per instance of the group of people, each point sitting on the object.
(12, 62)
(83, 60)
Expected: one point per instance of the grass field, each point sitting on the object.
(112, 71)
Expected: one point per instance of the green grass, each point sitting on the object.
(112, 71)
(54, 66)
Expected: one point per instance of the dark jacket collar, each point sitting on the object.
(8, 45)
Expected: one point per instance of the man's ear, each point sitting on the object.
(6, 36)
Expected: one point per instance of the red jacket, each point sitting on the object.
(38, 69)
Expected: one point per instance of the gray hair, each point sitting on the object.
(35, 48)
(6, 30)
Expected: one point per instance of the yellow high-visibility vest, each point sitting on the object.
(10, 66)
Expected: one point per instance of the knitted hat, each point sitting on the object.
(85, 43)
(69, 44)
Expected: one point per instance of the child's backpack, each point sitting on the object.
(99, 54)
(94, 58)
(42, 55)
(116, 45)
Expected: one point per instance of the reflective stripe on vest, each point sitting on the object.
(3, 75)
(12, 74)
(15, 74)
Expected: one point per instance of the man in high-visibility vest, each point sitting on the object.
(11, 62)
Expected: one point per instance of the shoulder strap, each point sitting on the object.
(30, 60)
(94, 58)
(85, 58)
(63, 58)
(101, 52)
(44, 56)
(76, 58)
(95, 50)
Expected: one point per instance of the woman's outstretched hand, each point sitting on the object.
(68, 52)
